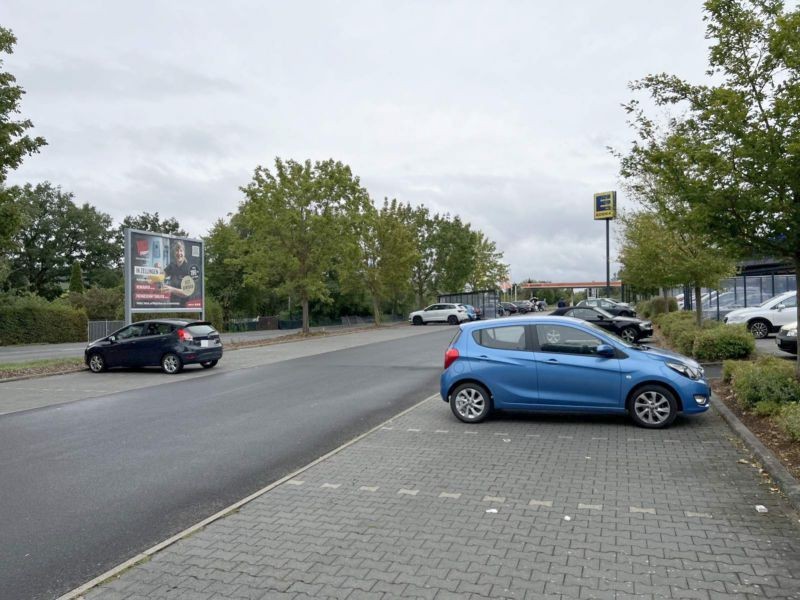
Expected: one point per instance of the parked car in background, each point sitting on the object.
(524, 306)
(439, 313)
(168, 343)
(471, 314)
(560, 364)
(630, 329)
(509, 308)
(768, 317)
(787, 338)
(618, 309)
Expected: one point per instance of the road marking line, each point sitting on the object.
(368, 488)
(498, 499)
(145, 555)
(404, 492)
(417, 430)
(532, 435)
(500, 433)
(387, 428)
(449, 495)
(637, 509)
(565, 437)
(698, 514)
(590, 506)
(331, 486)
(471, 432)
(295, 482)
(442, 431)
(547, 503)
(604, 439)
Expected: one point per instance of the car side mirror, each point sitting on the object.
(112, 338)
(780, 307)
(606, 350)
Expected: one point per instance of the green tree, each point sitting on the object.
(224, 273)
(488, 267)
(731, 150)
(55, 233)
(15, 145)
(656, 253)
(386, 254)
(299, 224)
(423, 271)
(455, 259)
(76, 278)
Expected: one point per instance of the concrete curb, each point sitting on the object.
(785, 480)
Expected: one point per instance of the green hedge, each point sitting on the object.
(656, 306)
(32, 320)
(789, 419)
(713, 341)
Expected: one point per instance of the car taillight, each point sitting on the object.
(450, 357)
(184, 335)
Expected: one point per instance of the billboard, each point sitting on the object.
(605, 205)
(163, 273)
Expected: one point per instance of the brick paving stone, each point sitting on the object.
(639, 522)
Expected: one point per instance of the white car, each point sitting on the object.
(439, 313)
(768, 316)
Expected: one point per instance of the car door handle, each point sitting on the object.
(552, 360)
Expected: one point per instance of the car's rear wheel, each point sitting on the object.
(759, 328)
(97, 363)
(417, 320)
(171, 364)
(629, 334)
(209, 364)
(452, 319)
(653, 407)
(470, 402)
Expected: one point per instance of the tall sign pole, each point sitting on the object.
(605, 209)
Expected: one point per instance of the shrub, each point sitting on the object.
(768, 379)
(717, 343)
(100, 304)
(789, 420)
(767, 408)
(659, 304)
(34, 320)
(644, 309)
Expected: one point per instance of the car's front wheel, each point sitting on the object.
(417, 320)
(759, 328)
(171, 364)
(653, 407)
(452, 319)
(97, 363)
(209, 364)
(470, 402)
(629, 334)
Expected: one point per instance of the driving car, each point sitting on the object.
(618, 309)
(471, 314)
(630, 329)
(563, 364)
(768, 317)
(787, 338)
(444, 312)
(168, 343)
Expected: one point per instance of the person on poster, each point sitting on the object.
(177, 277)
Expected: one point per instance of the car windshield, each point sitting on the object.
(603, 312)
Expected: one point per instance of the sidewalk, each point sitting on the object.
(518, 507)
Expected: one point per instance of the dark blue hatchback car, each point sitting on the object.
(168, 343)
(562, 364)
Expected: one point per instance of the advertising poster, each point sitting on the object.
(164, 273)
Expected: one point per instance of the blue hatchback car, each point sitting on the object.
(562, 364)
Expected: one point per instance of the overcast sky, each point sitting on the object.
(499, 112)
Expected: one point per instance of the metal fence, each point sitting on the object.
(485, 300)
(736, 292)
(100, 329)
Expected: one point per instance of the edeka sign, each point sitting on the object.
(163, 273)
(605, 205)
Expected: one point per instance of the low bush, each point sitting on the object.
(33, 320)
(767, 408)
(768, 379)
(789, 420)
(717, 343)
(656, 306)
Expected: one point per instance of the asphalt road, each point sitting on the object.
(768, 346)
(88, 484)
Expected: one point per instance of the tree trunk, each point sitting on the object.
(376, 310)
(666, 299)
(698, 306)
(306, 328)
(796, 277)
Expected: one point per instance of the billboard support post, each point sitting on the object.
(605, 209)
(128, 283)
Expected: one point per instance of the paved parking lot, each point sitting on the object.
(518, 507)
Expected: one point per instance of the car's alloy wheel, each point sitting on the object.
(629, 334)
(653, 407)
(759, 329)
(171, 364)
(417, 320)
(452, 319)
(208, 364)
(96, 363)
(470, 402)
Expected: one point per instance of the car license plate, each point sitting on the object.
(204, 343)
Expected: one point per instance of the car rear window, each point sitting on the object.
(501, 338)
(201, 330)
